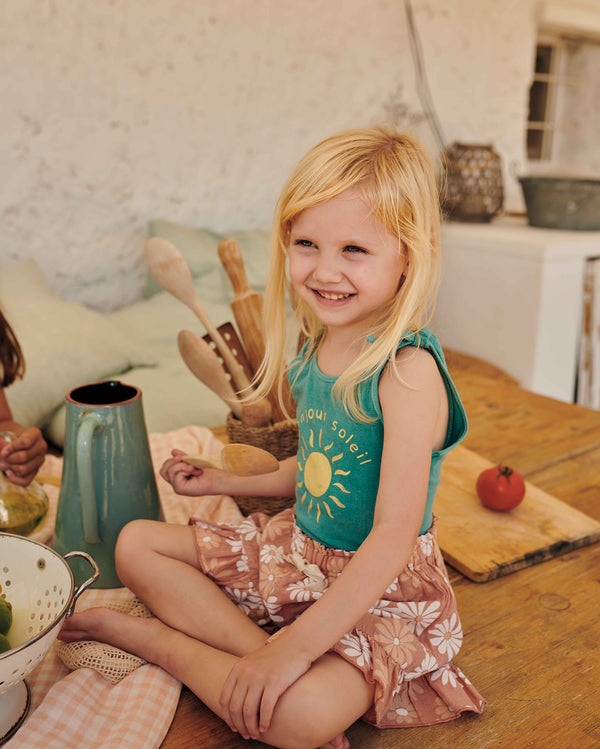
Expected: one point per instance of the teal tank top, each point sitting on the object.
(339, 458)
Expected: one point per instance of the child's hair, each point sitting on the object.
(12, 363)
(396, 180)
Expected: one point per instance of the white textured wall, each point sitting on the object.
(117, 111)
(577, 149)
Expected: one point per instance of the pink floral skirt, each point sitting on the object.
(403, 645)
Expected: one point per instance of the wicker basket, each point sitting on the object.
(474, 189)
(280, 439)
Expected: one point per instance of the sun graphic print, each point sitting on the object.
(320, 483)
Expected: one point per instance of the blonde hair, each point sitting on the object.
(396, 180)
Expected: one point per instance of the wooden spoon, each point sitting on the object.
(237, 458)
(202, 361)
(169, 269)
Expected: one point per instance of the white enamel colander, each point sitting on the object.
(41, 589)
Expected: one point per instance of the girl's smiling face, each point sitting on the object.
(344, 263)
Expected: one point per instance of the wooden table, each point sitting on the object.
(532, 638)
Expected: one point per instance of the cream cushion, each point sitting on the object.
(64, 344)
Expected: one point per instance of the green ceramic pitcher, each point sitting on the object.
(108, 477)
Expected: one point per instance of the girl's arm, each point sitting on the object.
(193, 482)
(415, 422)
(21, 458)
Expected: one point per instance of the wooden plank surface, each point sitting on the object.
(575, 479)
(484, 544)
(521, 429)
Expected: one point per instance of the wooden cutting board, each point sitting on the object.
(483, 544)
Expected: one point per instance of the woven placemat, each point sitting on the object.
(112, 663)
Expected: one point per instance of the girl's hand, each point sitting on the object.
(21, 458)
(255, 684)
(187, 480)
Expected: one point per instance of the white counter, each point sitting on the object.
(512, 294)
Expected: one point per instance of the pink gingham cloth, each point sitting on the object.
(80, 709)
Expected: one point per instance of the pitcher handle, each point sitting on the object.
(90, 581)
(89, 511)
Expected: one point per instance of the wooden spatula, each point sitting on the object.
(258, 413)
(232, 339)
(242, 460)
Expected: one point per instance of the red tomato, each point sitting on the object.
(500, 488)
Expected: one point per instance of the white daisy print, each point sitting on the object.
(272, 606)
(271, 552)
(446, 674)
(357, 646)
(243, 600)
(419, 614)
(447, 636)
(236, 545)
(426, 543)
(301, 590)
(384, 609)
(297, 546)
(427, 665)
(401, 679)
(247, 529)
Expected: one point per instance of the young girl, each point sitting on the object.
(350, 582)
(22, 450)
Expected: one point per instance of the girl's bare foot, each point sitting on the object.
(144, 637)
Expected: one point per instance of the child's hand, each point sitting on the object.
(21, 458)
(187, 480)
(255, 684)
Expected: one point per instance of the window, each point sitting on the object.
(543, 99)
(563, 103)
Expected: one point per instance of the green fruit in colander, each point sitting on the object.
(5, 616)
(4, 644)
